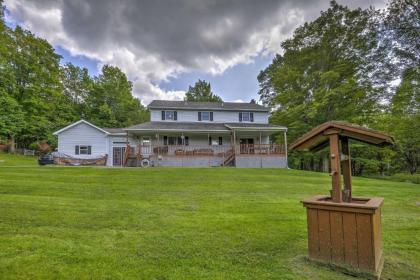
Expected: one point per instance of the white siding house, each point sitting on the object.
(183, 133)
(80, 135)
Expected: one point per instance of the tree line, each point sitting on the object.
(355, 65)
(38, 95)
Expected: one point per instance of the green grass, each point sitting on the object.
(402, 177)
(156, 223)
(17, 160)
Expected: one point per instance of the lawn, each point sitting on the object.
(172, 223)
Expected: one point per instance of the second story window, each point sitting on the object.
(246, 117)
(169, 115)
(205, 116)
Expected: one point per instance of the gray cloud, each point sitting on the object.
(153, 40)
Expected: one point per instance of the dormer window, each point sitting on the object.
(246, 117)
(169, 115)
(205, 116)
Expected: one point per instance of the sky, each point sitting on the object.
(164, 46)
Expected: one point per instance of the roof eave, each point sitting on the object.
(79, 122)
(267, 110)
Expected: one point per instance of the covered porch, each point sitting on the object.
(218, 145)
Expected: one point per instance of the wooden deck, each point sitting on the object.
(134, 154)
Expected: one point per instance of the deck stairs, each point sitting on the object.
(131, 158)
(229, 158)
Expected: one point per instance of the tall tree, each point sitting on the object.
(201, 91)
(111, 103)
(11, 118)
(77, 85)
(319, 76)
(38, 88)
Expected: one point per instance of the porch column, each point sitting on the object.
(158, 148)
(285, 147)
(234, 142)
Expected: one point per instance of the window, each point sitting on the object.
(146, 141)
(169, 115)
(83, 150)
(246, 117)
(173, 140)
(215, 142)
(205, 116)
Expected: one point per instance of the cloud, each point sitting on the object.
(155, 40)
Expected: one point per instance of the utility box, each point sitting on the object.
(343, 231)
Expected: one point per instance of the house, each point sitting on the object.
(184, 133)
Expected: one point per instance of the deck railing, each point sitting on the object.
(204, 150)
(260, 149)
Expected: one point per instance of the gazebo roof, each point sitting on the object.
(318, 138)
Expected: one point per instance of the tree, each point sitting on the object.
(405, 119)
(38, 88)
(77, 85)
(11, 118)
(201, 91)
(111, 103)
(319, 76)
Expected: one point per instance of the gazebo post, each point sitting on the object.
(346, 162)
(336, 193)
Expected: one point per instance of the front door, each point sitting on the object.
(247, 145)
(118, 156)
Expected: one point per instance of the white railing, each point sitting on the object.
(204, 150)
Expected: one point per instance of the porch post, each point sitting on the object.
(260, 144)
(158, 148)
(285, 147)
(234, 142)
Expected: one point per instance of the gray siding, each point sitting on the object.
(260, 161)
(204, 161)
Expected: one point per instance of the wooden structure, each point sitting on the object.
(218, 155)
(343, 230)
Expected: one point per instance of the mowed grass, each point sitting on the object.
(173, 223)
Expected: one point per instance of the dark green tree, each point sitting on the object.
(319, 76)
(201, 91)
(111, 103)
(11, 118)
(77, 85)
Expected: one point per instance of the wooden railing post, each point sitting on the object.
(346, 162)
(335, 168)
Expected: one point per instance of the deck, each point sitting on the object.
(215, 155)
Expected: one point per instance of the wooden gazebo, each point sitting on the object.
(342, 229)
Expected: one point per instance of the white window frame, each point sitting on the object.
(84, 149)
(208, 116)
(170, 113)
(246, 114)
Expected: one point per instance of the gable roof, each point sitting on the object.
(318, 137)
(77, 123)
(218, 106)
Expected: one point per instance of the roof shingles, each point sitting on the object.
(219, 106)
